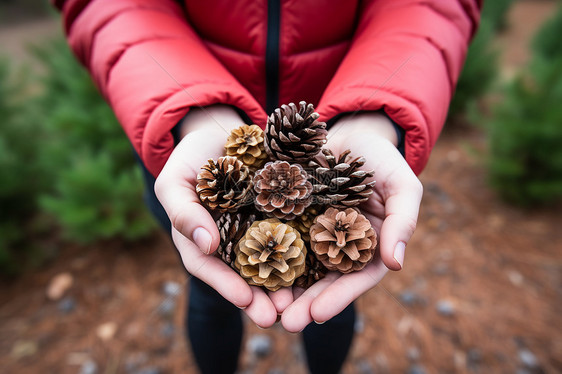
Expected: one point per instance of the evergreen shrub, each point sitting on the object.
(97, 188)
(525, 134)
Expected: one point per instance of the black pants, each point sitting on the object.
(214, 326)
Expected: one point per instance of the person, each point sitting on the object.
(180, 75)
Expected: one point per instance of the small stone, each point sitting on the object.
(473, 359)
(59, 285)
(135, 360)
(167, 307)
(528, 359)
(276, 371)
(359, 326)
(413, 354)
(106, 331)
(416, 369)
(411, 298)
(298, 352)
(171, 289)
(441, 269)
(167, 330)
(515, 277)
(445, 308)
(66, 305)
(149, 370)
(89, 367)
(23, 348)
(364, 367)
(260, 345)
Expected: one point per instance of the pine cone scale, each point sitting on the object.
(343, 240)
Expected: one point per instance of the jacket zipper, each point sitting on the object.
(272, 56)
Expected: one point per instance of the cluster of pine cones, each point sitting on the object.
(288, 205)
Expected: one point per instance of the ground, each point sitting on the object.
(481, 290)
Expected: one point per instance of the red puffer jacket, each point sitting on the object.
(154, 59)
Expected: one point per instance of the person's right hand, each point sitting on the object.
(194, 232)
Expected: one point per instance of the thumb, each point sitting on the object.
(175, 189)
(401, 214)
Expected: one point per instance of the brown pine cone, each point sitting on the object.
(225, 185)
(271, 254)
(232, 227)
(339, 181)
(343, 240)
(283, 190)
(294, 135)
(303, 222)
(314, 271)
(246, 144)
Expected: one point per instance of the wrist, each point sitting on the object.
(214, 117)
(367, 124)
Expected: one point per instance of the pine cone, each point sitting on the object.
(246, 144)
(294, 135)
(339, 181)
(343, 240)
(224, 185)
(314, 271)
(283, 190)
(271, 254)
(303, 222)
(232, 227)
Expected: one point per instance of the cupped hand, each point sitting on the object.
(392, 209)
(194, 232)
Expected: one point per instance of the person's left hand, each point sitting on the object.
(392, 209)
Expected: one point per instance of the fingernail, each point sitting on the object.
(320, 323)
(203, 239)
(399, 253)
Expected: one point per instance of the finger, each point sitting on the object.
(400, 221)
(175, 189)
(213, 271)
(339, 294)
(261, 310)
(281, 298)
(297, 315)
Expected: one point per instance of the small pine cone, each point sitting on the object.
(246, 144)
(339, 182)
(271, 254)
(343, 240)
(303, 222)
(314, 271)
(232, 227)
(283, 190)
(225, 185)
(294, 135)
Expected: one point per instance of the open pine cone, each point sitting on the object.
(271, 254)
(294, 135)
(246, 143)
(232, 227)
(339, 181)
(313, 272)
(343, 240)
(283, 190)
(224, 185)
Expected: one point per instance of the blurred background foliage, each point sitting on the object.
(65, 164)
(525, 128)
(67, 170)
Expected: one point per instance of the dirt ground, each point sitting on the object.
(481, 291)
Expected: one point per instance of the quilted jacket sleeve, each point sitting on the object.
(150, 66)
(405, 59)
